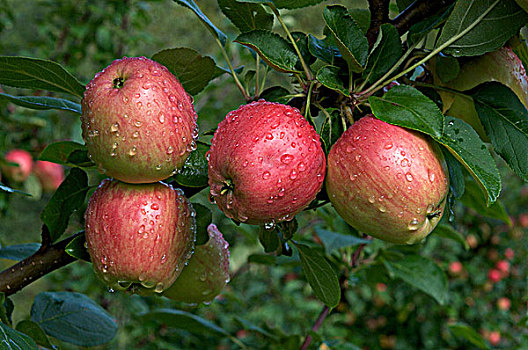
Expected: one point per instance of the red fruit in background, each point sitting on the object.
(494, 337)
(504, 304)
(509, 253)
(523, 220)
(455, 267)
(503, 266)
(387, 181)
(138, 122)
(206, 273)
(50, 175)
(266, 163)
(23, 170)
(139, 236)
(494, 275)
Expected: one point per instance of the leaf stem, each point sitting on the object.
(235, 77)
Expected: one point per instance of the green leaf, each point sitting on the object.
(193, 70)
(195, 169)
(421, 273)
(68, 198)
(329, 76)
(293, 4)
(263, 259)
(333, 241)
(323, 49)
(385, 54)
(447, 231)
(245, 16)
(184, 320)
(18, 252)
(457, 182)
(204, 217)
(274, 49)
(491, 24)
(33, 330)
(474, 198)
(464, 143)
(332, 128)
(361, 17)
(301, 40)
(14, 340)
(77, 248)
(405, 106)
(67, 153)
(275, 94)
(320, 275)
(42, 102)
(349, 38)
(506, 122)
(269, 239)
(190, 4)
(461, 330)
(33, 73)
(447, 68)
(73, 318)
(421, 28)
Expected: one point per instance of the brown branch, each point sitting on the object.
(44, 261)
(318, 323)
(379, 14)
(416, 12)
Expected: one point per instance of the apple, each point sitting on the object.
(206, 273)
(494, 275)
(138, 122)
(266, 163)
(139, 236)
(494, 337)
(25, 164)
(387, 181)
(50, 175)
(509, 253)
(504, 303)
(503, 266)
(523, 220)
(455, 267)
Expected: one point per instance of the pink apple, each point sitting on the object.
(455, 267)
(387, 181)
(504, 303)
(494, 275)
(50, 175)
(25, 164)
(138, 122)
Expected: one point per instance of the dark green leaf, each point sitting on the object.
(329, 77)
(349, 38)
(275, 94)
(193, 70)
(269, 239)
(301, 40)
(262, 259)
(447, 231)
(67, 153)
(332, 129)
(385, 55)
(14, 340)
(204, 217)
(323, 49)
(457, 182)
(293, 4)
(361, 17)
(420, 29)
(421, 273)
(320, 275)
(405, 106)
(464, 331)
(403, 4)
(474, 198)
(77, 248)
(245, 16)
(492, 24)
(33, 330)
(3, 310)
(194, 171)
(68, 198)
(506, 122)
(184, 320)
(253, 328)
(190, 4)
(73, 318)
(447, 68)
(42, 102)
(33, 73)
(274, 50)
(464, 143)
(333, 241)
(18, 251)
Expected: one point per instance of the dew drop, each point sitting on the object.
(301, 166)
(266, 175)
(388, 145)
(404, 162)
(135, 135)
(286, 158)
(408, 177)
(382, 209)
(269, 225)
(293, 174)
(170, 150)
(358, 157)
(431, 176)
(162, 118)
(372, 199)
(269, 136)
(138, 123)
(413, 225)
(114, 127)
(132, 152)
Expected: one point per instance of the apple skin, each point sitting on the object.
(50, 175)
(206, 273)
(266, 163)
(139, 236)
(25, 164)
(138, 122)
(387, 181)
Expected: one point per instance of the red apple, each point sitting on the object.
(494, 275)
(266, 163)
(206, 273)
(504, 304)
(139, 236)
(50, 175)
(25, 164)
(503, 266)
(523, 220)
(509, 253)
(455, 267)
(494, 337)
(138, 122)
(387, 181)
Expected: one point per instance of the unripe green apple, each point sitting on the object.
(266, 163)
(138, 122)
(387, 181)
(206, 273)
(25, 164)
(139, 236)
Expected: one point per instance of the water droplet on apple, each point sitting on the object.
(114, 127)
(413, 225)
(138, 123)
(382, 209)
(293, 174)
(170, 150)
(266, 175)
(358, 157)
(431, 176)
(408, 177)
(286, 158)
(162, 118)
(269, 225)
(159, 287)
(269, 136)
(372, 199)
(158, 167)
(132, 152)
(404, 162)
(388, 145)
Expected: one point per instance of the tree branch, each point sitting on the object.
(318, 323)
(379, 14)
(44, 261)
(417, 11)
